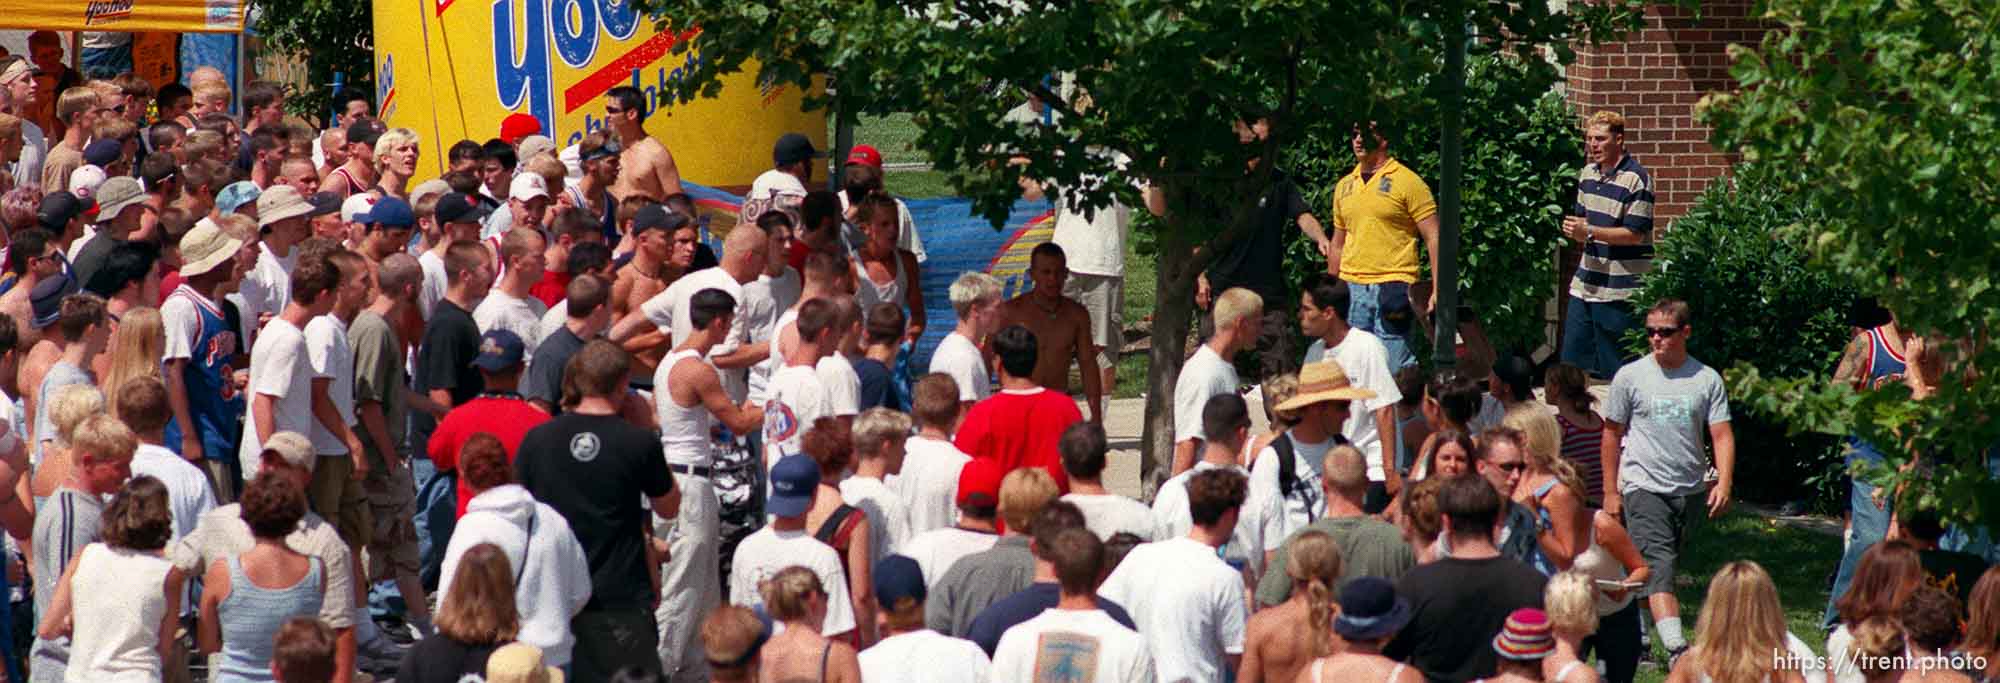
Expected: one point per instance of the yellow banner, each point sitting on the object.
(453, 69)
(182, 16)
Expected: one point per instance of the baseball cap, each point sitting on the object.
(898, 577)
(527, 186)
(434, 186)
(116, 195)
(235, 195)
(356, 205)
(499, 350)
(365, 131)
(517, 126)
(204, 247)
(793, 481)
(389, 211)
(455, 207)
(279, 203)
(979, 483)
(47, 298)
(85, 180)
(59, 208)
(865, 155)
(292, 447)
(102, 152)
(792, 148)
(324, 203)
(656, 217)
(532, 146)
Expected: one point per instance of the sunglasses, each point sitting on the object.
(613, 110)
(1513, 466)
(1662, 331)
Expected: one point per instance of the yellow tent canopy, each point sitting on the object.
(180, 16)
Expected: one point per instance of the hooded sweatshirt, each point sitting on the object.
(553, 580)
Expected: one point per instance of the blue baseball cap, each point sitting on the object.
(389, 211)
(103, 153)
(898, 577)
(236, 195)
(793, 481)
(47, 297)
(499, 350)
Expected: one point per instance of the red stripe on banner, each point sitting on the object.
(386, 99)
(619, 71)
(442, 5)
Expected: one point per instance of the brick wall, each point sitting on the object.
(1654, 78)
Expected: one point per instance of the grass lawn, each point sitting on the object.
(1798, 560)
(891, 135)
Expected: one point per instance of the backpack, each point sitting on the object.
(1289, 484)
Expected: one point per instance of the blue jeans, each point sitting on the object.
(437, 515)
(1868, 525)
(1592, 334)
(1384, 311)
(1974, 540)
(105, 63)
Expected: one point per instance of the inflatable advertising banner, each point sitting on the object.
(453, 69)
(955, 239)
(130, 16)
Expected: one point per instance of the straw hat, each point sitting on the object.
(1324, 381)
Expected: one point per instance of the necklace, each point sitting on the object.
(1050, 311)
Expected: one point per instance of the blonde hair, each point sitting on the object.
(1982, 623)
(786, 593)
(238, 226)
(1878, 641)
(1345, 469)
(1023, 494)
(479, 609)
(135, 350)
(1541, 442)
(101, 437)
(1571, 602)
(731, 633)
(1236, 304)
(1278, 390)
(876, 428)
(75, 101)
(208, 92)
(1314, 567)
(1741, 624)
(1607, 118)
(10, 126)
(395, 137)
(120, 129)
(973, 288)
(548, 167)
(69, 407)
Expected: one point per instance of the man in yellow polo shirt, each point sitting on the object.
(1379, 211)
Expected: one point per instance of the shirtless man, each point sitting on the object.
(47, 264)
(660, 258)
(334, 144)
(646, 168)
(1061, 327)
(691, 401)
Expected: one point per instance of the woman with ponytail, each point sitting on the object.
(1273, 651)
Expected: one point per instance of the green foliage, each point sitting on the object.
(1746, 281)
(1521, 156)
(1889, 114)
(330, 36)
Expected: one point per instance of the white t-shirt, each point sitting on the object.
(1308, 499)
(1095, 648)
(182, 322)
(1205, 374)
(1187, 603)
(938, 549)
(960, 358)
(669, 311)
(554, 319)
(188, 495)
(34, 147)
(436, 281)
(888, 521)
(1093, 242)
(925, 656)
(928, 484)
(519, 315)
(760, 323)
(785, 287)
(843, 386)
(1366, 361)
(279, 367)
(768, 551)
(267, 287)
(775, 181)
(797, 398)
(332, 358)
(777, 360)
(1108, 514)
(1256, 526)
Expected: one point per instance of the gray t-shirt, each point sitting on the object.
(64, 524)
(1666, 414)
(60, 375)
(1368, 547)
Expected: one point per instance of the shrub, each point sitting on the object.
(1758, 300)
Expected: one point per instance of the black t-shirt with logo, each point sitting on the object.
(595, 470)
(1257, 262)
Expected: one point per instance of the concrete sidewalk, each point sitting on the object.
(1125, 424)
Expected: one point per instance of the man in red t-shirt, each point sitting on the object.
(1020, 425)
(500, 410)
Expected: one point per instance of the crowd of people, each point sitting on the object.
(276, 409)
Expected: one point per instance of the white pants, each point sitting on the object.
(690, 583)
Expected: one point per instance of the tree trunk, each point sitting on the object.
(1173, 316)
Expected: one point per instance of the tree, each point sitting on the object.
(300, 29)
(1888, 118)
(1159, 81)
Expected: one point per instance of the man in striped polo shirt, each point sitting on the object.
(1613, 222)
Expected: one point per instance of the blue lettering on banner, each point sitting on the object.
(619, 18)
(526, 76)
(576, 43)
(664, 80)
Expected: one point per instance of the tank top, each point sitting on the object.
(1393, 673)
(1885, 364)
(1599, 564)
(684, 432)
(120, 597)
(1582, 448)
(251, 614)
(867, 292)
(213, 402)
(1563, 672)
(352, 185)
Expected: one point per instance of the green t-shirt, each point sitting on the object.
(378, 377)
(1368, 547)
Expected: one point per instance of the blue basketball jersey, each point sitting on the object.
(213, 401)
(1885, 364)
